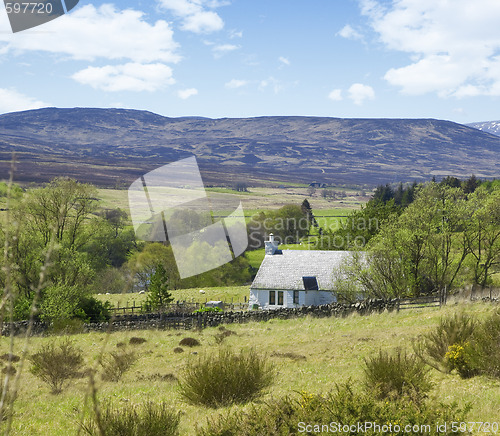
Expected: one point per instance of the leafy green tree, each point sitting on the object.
(420, 251)
(482, 233)
(51, 230)
(159, 295)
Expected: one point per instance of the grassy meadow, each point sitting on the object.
(258, 199)
(309, 354)
(228, 294)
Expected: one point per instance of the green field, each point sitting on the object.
(332, 349)
(229, 294)
(257, 199)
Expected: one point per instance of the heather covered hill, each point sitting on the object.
(114, 146)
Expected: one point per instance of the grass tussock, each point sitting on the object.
(149, 419)
(225, 378)
(189, 342)
(137, 341)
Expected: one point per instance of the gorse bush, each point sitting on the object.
(56, 365)
(461, 358)
(345, 406)
(150, 419)
(433, 346)
(463, 344)
(226, 377)
(116, 364)
(397, 375)
(482, 354)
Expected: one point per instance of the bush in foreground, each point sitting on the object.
(56, 365)
(343, 407)
(225, 378)
(393, 376)
(150, 419)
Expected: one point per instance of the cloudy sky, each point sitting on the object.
(239, 58)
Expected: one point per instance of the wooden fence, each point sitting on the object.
(416, 303)
(179, 307)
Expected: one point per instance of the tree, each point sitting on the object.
(58, 218)
(482, 233)
(159, 295)
(51, 231)
(308, 213)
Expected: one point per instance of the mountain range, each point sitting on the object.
(112, 147)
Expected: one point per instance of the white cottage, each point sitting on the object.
(293, 278)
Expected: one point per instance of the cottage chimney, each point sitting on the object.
(272, 246)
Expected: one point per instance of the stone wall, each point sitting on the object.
(212, 319)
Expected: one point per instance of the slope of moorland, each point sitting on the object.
(112, 147)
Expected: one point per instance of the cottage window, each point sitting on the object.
(272, 298)
(280, 298)
(310, 283)
(295, 297)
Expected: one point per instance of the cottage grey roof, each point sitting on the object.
(285, 271)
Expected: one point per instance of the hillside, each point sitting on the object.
(114, 146)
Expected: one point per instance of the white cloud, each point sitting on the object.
(194, 14)
(128, 77)
(90, 33)
(358, 93)
(349, 33)
(13, 101)
(454, 45)
(335, 95)
(220, 50)
(235, 83)
(284, 60)
(186, 93)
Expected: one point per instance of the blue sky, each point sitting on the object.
(245, 58)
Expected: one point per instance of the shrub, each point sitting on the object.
(189, 342)
(95, 310)
(484, 350)
(116, 364)
(394, 376)
(461, 358)
(344, 406)
(208, 309)
(433, 346)
(56, 365)
(225, 378)
(150, 419)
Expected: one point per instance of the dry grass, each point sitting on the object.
(335, 349)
